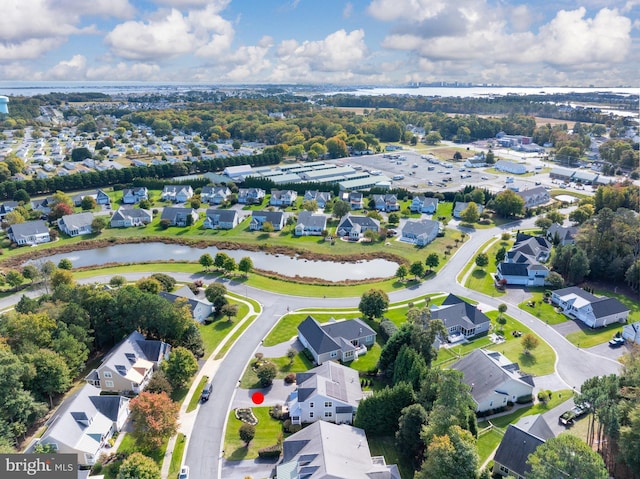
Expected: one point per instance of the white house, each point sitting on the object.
(511, 167)
(594, 311)
(355, 226)
(200, 309)
(631, 332)
(177, 193)
(29, 233)
(421, 232)
(310, 224)
(215, 195)
(523, 262)
(126, 217)
(424, 204)
(282, 197)
(132, 196)
(250, 196)
(494, 380)
(534, 196)
(259, 218)
(476, 161)
(221, 219)
(330, 392)
(388, 202)
(460, 206)
(85, 423)
(320, 197)
(77, 224)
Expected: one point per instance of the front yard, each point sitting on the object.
(268, 430)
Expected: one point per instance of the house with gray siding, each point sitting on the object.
(310, 224)
(29, 233)
(421, 232)
(126, 217)
(77, 224)
(179, 216)
(460, 318)
(221, 219)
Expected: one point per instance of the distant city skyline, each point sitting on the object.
(357, 42)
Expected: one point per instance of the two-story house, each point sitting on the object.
(221, 219)
(388, 202)
(330, 392)
(421, 232)
(534, 196)
(129, 365)
(132, 196)
(177, 193)
(200, 309)
(77, 224)
(424, 204)
(523, 263)
(215, 195)
(320, 197)
(179, 216)
(251, 196)
(100, 196)
(29, 233)
(126, 217)
(355, 226)
(282, 197)
(310, 224)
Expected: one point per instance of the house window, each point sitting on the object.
(311, 404)
(107, 374)
(311, 414)
(328, 404)
(108, 384)
(334, 354)
(328, 414)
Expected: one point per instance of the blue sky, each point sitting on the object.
(383, 42)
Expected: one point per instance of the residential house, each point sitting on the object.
(200, 309)
(594, 311)
(43, 205)
(100, 196)
(215, 195)
(534, 196)
(76, 224)
(355, 226)
(631, 332)
(126, 217)
(494, 380)
(250, 196)
(511, 167)
(320, 197)
(330, 392)
(129, 365)
(177, 193)
(421, 232)
(330, 451)
(520, 440)
(564, 235)
(282, 197)
(221, 219)
(523, 263)
(310, 224)
(179, 216)
(7, 207)
(388, 202)
(85, 423)
(424, 204)
(259, 218)
(460, 206)
(132, 196)
(461, 319)
(335, 340)
(476, 161)
(29, 233)
(354, 198)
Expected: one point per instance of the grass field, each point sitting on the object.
(268, 430)
(488, 442)
(542, 310)
(176, 457)
(386, 446)
(300, 363)
(481, 279)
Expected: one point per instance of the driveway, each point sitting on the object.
(277, 393)
(256, 469)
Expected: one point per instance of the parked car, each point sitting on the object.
(184, 472)
(568, 417)
(206, 392)
(616, 342)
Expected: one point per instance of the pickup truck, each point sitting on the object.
(568, 417)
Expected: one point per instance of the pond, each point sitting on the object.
(284, 265)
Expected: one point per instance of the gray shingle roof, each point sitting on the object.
(515, 448)
(224, 216)
(607, 306)
(318, 340)
(422, 227)
(29, 228)
(77, 221)
(455, 311)
(309, 219)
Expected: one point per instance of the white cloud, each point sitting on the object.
(73, 68)
(28, 49)
(347, 11)
(412, 10)
(219, 5)
(125, 72)
(249, 62)
(107, 8)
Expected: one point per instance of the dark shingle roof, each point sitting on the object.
(456, 311)
(319, 341)
(108, 405)
(349, 329)
(225, 216)
(515, 448)
(513, 269)
(607, 306)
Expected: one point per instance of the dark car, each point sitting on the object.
(206, 392)
(616, 342)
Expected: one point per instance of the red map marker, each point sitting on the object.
(257, 398)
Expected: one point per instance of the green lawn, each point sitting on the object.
(542, 310)
(285, 366)
(386, 446)
(176, 457)
(587, 337)
(287, 327)
(214, 333)
(369, 360)
(129, 446)
(557, 398)
(267, 432)
(481, 279)
(232, 339)
(195, 399)
(488, 442)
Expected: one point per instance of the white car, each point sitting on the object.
(184, 473)
(484, 178)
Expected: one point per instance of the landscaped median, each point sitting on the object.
(481, 279)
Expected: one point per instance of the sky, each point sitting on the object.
(354, 42)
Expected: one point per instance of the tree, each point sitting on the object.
(98, 224)
(490, 157)
(291, 354)
(247, 432)
(206, 261)
(373, 303)
(402, 272)
(501, 254)
(543, 223)
(451, 456)
(502, 308)
(159, 383)
(582, 214)
(59, 210)
(379, 414)
(245, 265)
(309, 205)
(138, 466)
(154, 418)
(31, 272)
(79, 154)
(554, 280)
(433, 138)
(417, 269)
(52, 375)
(555, 217)
(65, 263)
(566, 456)
(408, 441)
(470, 214)
(508, 203)
(229, 265)
(88, 203)
(13, 218)
(529, 342)
(149, 285)
(482, 260)
(336, 147)
(266, 373)
(340, 208)
(230, 311)
(457, 156)
(117, 281)
(393, 218)
(630, 439)
(167, 283)
(432, 261)
(180, 367)
(215, 293)
(14, 278)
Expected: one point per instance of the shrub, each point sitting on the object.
(270, 452)
(290, 378)
(387, 329)
(524, 399)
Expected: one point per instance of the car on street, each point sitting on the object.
(206, 392)
(184, 472)
(484, 178)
